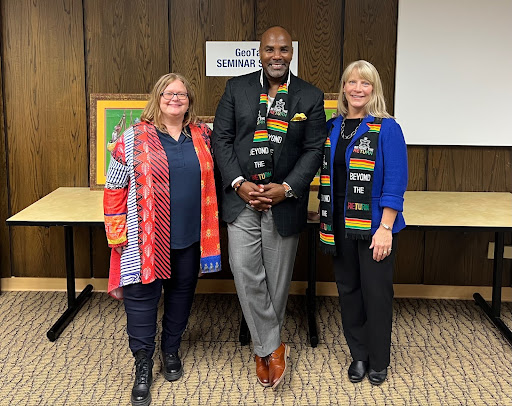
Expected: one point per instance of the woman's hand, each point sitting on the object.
(119, 250)
(382, 241)
(383, 237)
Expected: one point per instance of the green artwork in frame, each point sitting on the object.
(111, 115)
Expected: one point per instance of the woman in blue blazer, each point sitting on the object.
(363, 181)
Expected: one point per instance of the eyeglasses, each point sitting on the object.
(170, 95)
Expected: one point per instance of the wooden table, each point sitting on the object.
(467, 211)
(455, 211)
(66, 207)
(443, 211)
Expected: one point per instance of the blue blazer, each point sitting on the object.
(390, 172)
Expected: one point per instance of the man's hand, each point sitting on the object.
(253, 194)
(272, 194)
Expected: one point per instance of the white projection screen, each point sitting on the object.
(454, 72)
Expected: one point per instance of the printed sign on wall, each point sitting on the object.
(234, 58)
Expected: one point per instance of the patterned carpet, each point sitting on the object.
(444, 352)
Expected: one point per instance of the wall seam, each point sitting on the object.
(87, 126)
(169, 16)
(6, 143)
(342, 39)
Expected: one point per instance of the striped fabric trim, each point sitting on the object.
(363, 164)
(325, 180)
(327, 143)
(117, 175)
(277, 125)
(130, 260)
(358, 224)
(327, 238)
(264, 98)
(283, 88)
(162, 223)
(260, 136)
(374, 128)
(118, 241)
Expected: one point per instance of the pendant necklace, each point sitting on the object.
(349, 136)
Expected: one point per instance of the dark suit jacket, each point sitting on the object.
(296, 159)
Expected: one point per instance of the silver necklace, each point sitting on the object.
(349, 136)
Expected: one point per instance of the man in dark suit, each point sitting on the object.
(268, 138)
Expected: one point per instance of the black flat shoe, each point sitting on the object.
(357, 371)
(173, 370)
(377, 377)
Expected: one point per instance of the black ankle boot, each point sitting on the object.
(172, 366)
(143, 379)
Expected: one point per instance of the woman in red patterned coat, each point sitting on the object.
(161, 220)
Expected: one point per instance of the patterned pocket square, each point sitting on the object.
(299, 117)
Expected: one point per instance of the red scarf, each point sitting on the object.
(149, 159)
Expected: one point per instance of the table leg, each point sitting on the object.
(311, 289)
(494, 312)
(245, 334)
(74, 304)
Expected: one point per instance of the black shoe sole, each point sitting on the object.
(355, 380)
(376, 383)
(173, 376)
(143, 402)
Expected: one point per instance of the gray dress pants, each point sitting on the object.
(262, 265)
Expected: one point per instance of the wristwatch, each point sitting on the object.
(288, 192)
(385, 226)
(238, 184)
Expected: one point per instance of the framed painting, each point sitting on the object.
(331, 105)
(111, 114)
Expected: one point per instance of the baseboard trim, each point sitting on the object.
(296, 288)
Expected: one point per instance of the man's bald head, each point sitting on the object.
(276, 52)
(276, 30)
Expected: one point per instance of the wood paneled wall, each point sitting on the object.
(318, 26)
(46, 134)
(55, 54)
(5, 242)
(195, 21)
(127, 50)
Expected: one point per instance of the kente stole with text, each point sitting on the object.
(271, 129)
(358, 200)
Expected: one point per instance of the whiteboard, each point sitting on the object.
(454, 72)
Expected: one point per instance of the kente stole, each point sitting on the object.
(271, 129)
(358, 199)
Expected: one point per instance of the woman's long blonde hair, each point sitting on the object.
(376, 106)
(152, 112)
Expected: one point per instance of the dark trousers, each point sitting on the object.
(141, 304)
(365, 288)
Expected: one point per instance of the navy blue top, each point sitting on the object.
(339, 166)
(185, 190)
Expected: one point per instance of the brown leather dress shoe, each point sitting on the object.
(277, 362)
(262, 370)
